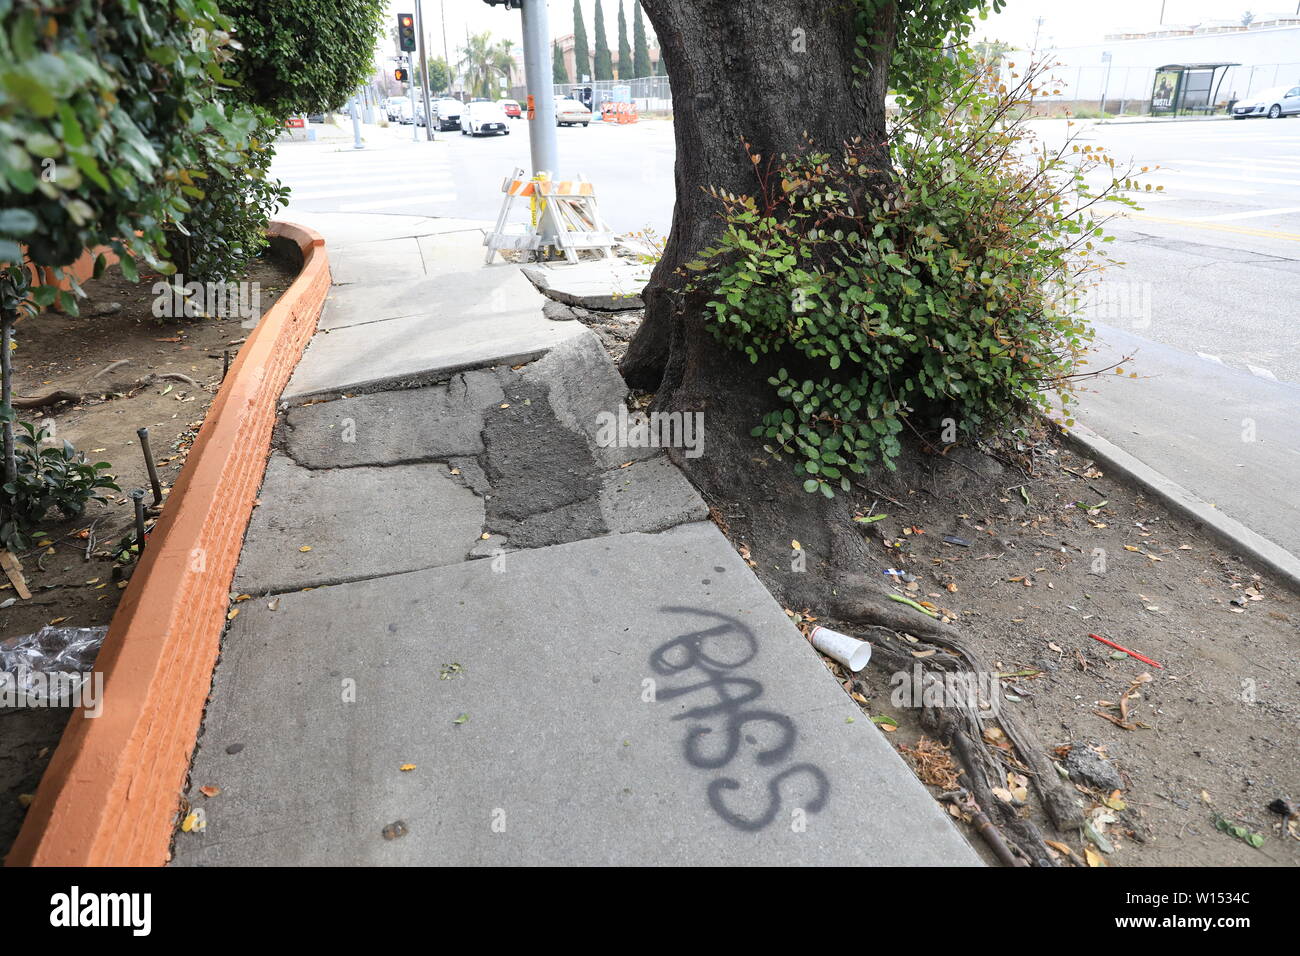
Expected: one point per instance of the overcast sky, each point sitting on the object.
(1065, 22)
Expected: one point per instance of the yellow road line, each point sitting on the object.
(1217, 227)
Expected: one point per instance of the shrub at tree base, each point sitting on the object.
(48, 476)
(945, 287)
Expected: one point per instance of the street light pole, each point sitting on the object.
(424, 70)
(541, 94)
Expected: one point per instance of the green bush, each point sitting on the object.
(300, 56)
(946, 291)
(107, 111)
(48, 478)
(236, 207)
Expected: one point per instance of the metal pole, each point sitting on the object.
(446, 54)
(541, 94)
(356, 123)
(424, 70)
(410, 88)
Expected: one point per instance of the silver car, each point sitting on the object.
(1279, 101)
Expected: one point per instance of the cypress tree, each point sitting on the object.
(626, 69)
(604, 64)
(641, 65)
(559, 72)
(581, 53)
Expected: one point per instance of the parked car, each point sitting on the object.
(483, 116)
(446, 113)
(511, 108)
(393, 106)
(1279, 101)
(403, 112)
(569, 112)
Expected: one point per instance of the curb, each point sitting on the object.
(1229, 531)
(110, 794)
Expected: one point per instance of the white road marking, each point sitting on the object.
(407, 200)
(404, 188)
(1249, 214)
(1269, 180)
(1210, 358)
(1262, 372)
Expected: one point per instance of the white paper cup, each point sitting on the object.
(849, 651)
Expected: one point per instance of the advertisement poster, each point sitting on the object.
(1165, 92)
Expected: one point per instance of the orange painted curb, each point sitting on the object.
(110, 794)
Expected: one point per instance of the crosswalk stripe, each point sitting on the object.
(1248, 214)
(404, 188)
(407, 200)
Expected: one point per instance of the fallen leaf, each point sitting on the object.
(209, 791)
(1060, 848)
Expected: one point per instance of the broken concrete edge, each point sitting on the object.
(396, 383)
(110, 794)
(1251, 545)
(603, 302)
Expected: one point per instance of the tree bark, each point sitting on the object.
(775, 76)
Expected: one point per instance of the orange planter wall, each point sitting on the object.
(110, 794)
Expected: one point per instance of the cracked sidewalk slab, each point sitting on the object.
(680, 719)
(606, 285)
(357, 523)
(384, 428)
(421, 349)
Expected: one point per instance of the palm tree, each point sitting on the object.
(485, 64)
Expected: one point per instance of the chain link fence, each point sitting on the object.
(651, 94)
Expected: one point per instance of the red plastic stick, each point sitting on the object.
(1120, 647)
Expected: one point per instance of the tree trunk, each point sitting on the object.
(775, 80)
(775, 76)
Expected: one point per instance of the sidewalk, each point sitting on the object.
(475, 636)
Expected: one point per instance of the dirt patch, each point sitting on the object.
(162, 374)
(1028, 551)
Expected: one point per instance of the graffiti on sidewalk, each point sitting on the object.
(724, 704)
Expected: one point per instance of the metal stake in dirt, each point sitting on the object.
(143, 434)
(137, 496)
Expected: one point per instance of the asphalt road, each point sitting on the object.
(1204, 307)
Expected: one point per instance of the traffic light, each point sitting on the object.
(400, 75)
(406, 32)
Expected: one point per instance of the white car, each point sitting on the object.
(1279, 101)
(482, 116)
(569, 112)
(393, 107)
(403, 112)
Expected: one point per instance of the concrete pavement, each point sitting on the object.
(478, 634)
